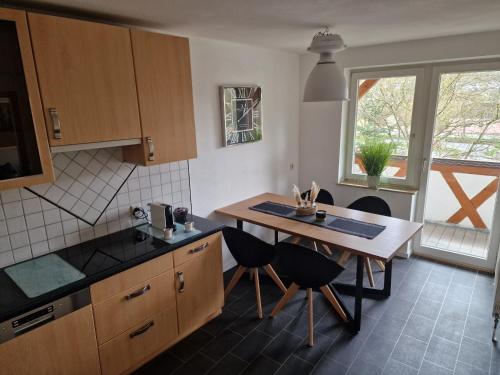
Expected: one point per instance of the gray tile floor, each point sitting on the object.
(437, 321)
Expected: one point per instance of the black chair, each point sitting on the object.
(373, 205)
(250, 253)
(324, 197)
(307, 269)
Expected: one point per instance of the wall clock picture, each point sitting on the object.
(241, 114)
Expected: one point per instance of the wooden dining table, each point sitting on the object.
(383, 247)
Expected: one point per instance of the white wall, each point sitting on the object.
(220, 175)
(320, 123)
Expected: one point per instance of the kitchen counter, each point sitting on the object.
(97, 259)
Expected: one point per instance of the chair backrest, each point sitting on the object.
(371, 204)
(305, 267)
(324, 196)
(249, 251)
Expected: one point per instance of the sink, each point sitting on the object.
(42, 275)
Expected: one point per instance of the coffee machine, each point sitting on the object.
(162, 216)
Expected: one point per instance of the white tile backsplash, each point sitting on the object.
(30, 226)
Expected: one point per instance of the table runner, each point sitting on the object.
(332, 222)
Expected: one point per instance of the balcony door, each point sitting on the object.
(458, 200)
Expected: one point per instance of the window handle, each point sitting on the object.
(151, 147)
(425, 164)
(56, 124)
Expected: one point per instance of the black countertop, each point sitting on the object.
(97, 259)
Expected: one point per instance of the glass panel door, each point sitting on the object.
(19, 154)
(459, 207)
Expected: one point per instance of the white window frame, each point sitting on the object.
(418, 120)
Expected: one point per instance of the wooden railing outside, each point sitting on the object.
(448, 168)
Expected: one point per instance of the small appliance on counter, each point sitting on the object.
(162, 216)
(180, 214)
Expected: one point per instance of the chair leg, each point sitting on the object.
(380, 265)
(344, 257)
(327, 249)
(311, 316)
(234, 280)
(257, 291)
(333, 301)
(292, 289)
(272, 274)
(369, 272)
(315, 246)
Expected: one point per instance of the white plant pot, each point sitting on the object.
(373, 181)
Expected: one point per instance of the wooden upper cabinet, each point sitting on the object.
(24, 150)
(86, 77)
(163, 74)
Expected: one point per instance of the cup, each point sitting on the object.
(320, 215)
(168, 233)
(188, 226)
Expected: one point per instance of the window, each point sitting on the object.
(383, 108)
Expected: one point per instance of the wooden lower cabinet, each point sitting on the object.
(200, 289)
(65, 346)
(178, 301)
(124, 352)
(128, 308)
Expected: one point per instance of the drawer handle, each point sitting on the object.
(151, 146)
(138, 293)
(199, 248)
(180, 276)
(142, 330)
(56, 124)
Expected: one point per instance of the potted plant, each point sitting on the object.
(374, 157)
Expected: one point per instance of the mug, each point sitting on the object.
(188, 226)
(168, 233)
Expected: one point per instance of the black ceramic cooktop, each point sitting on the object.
(97, 259)
(98, 255)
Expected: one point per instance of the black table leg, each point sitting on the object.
(358, 294)
(387, 279)
(372, 293)
(276, 240)
(239, 224)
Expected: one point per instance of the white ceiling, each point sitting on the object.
(290, 24)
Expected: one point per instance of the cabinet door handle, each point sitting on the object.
(199, 248)
(142, 330)
(56, 124)
(151, 147)
(180, 276)
(138, 292)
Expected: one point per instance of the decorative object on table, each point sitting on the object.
(374, 157)
(241, 111)
(162, 216)
(180, 214)
(306, 206)
(326, 82)
(320, 215)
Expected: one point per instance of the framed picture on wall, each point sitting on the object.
(241, 111)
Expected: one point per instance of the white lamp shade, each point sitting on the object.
(325, 83)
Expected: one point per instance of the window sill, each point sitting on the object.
(392, 188)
